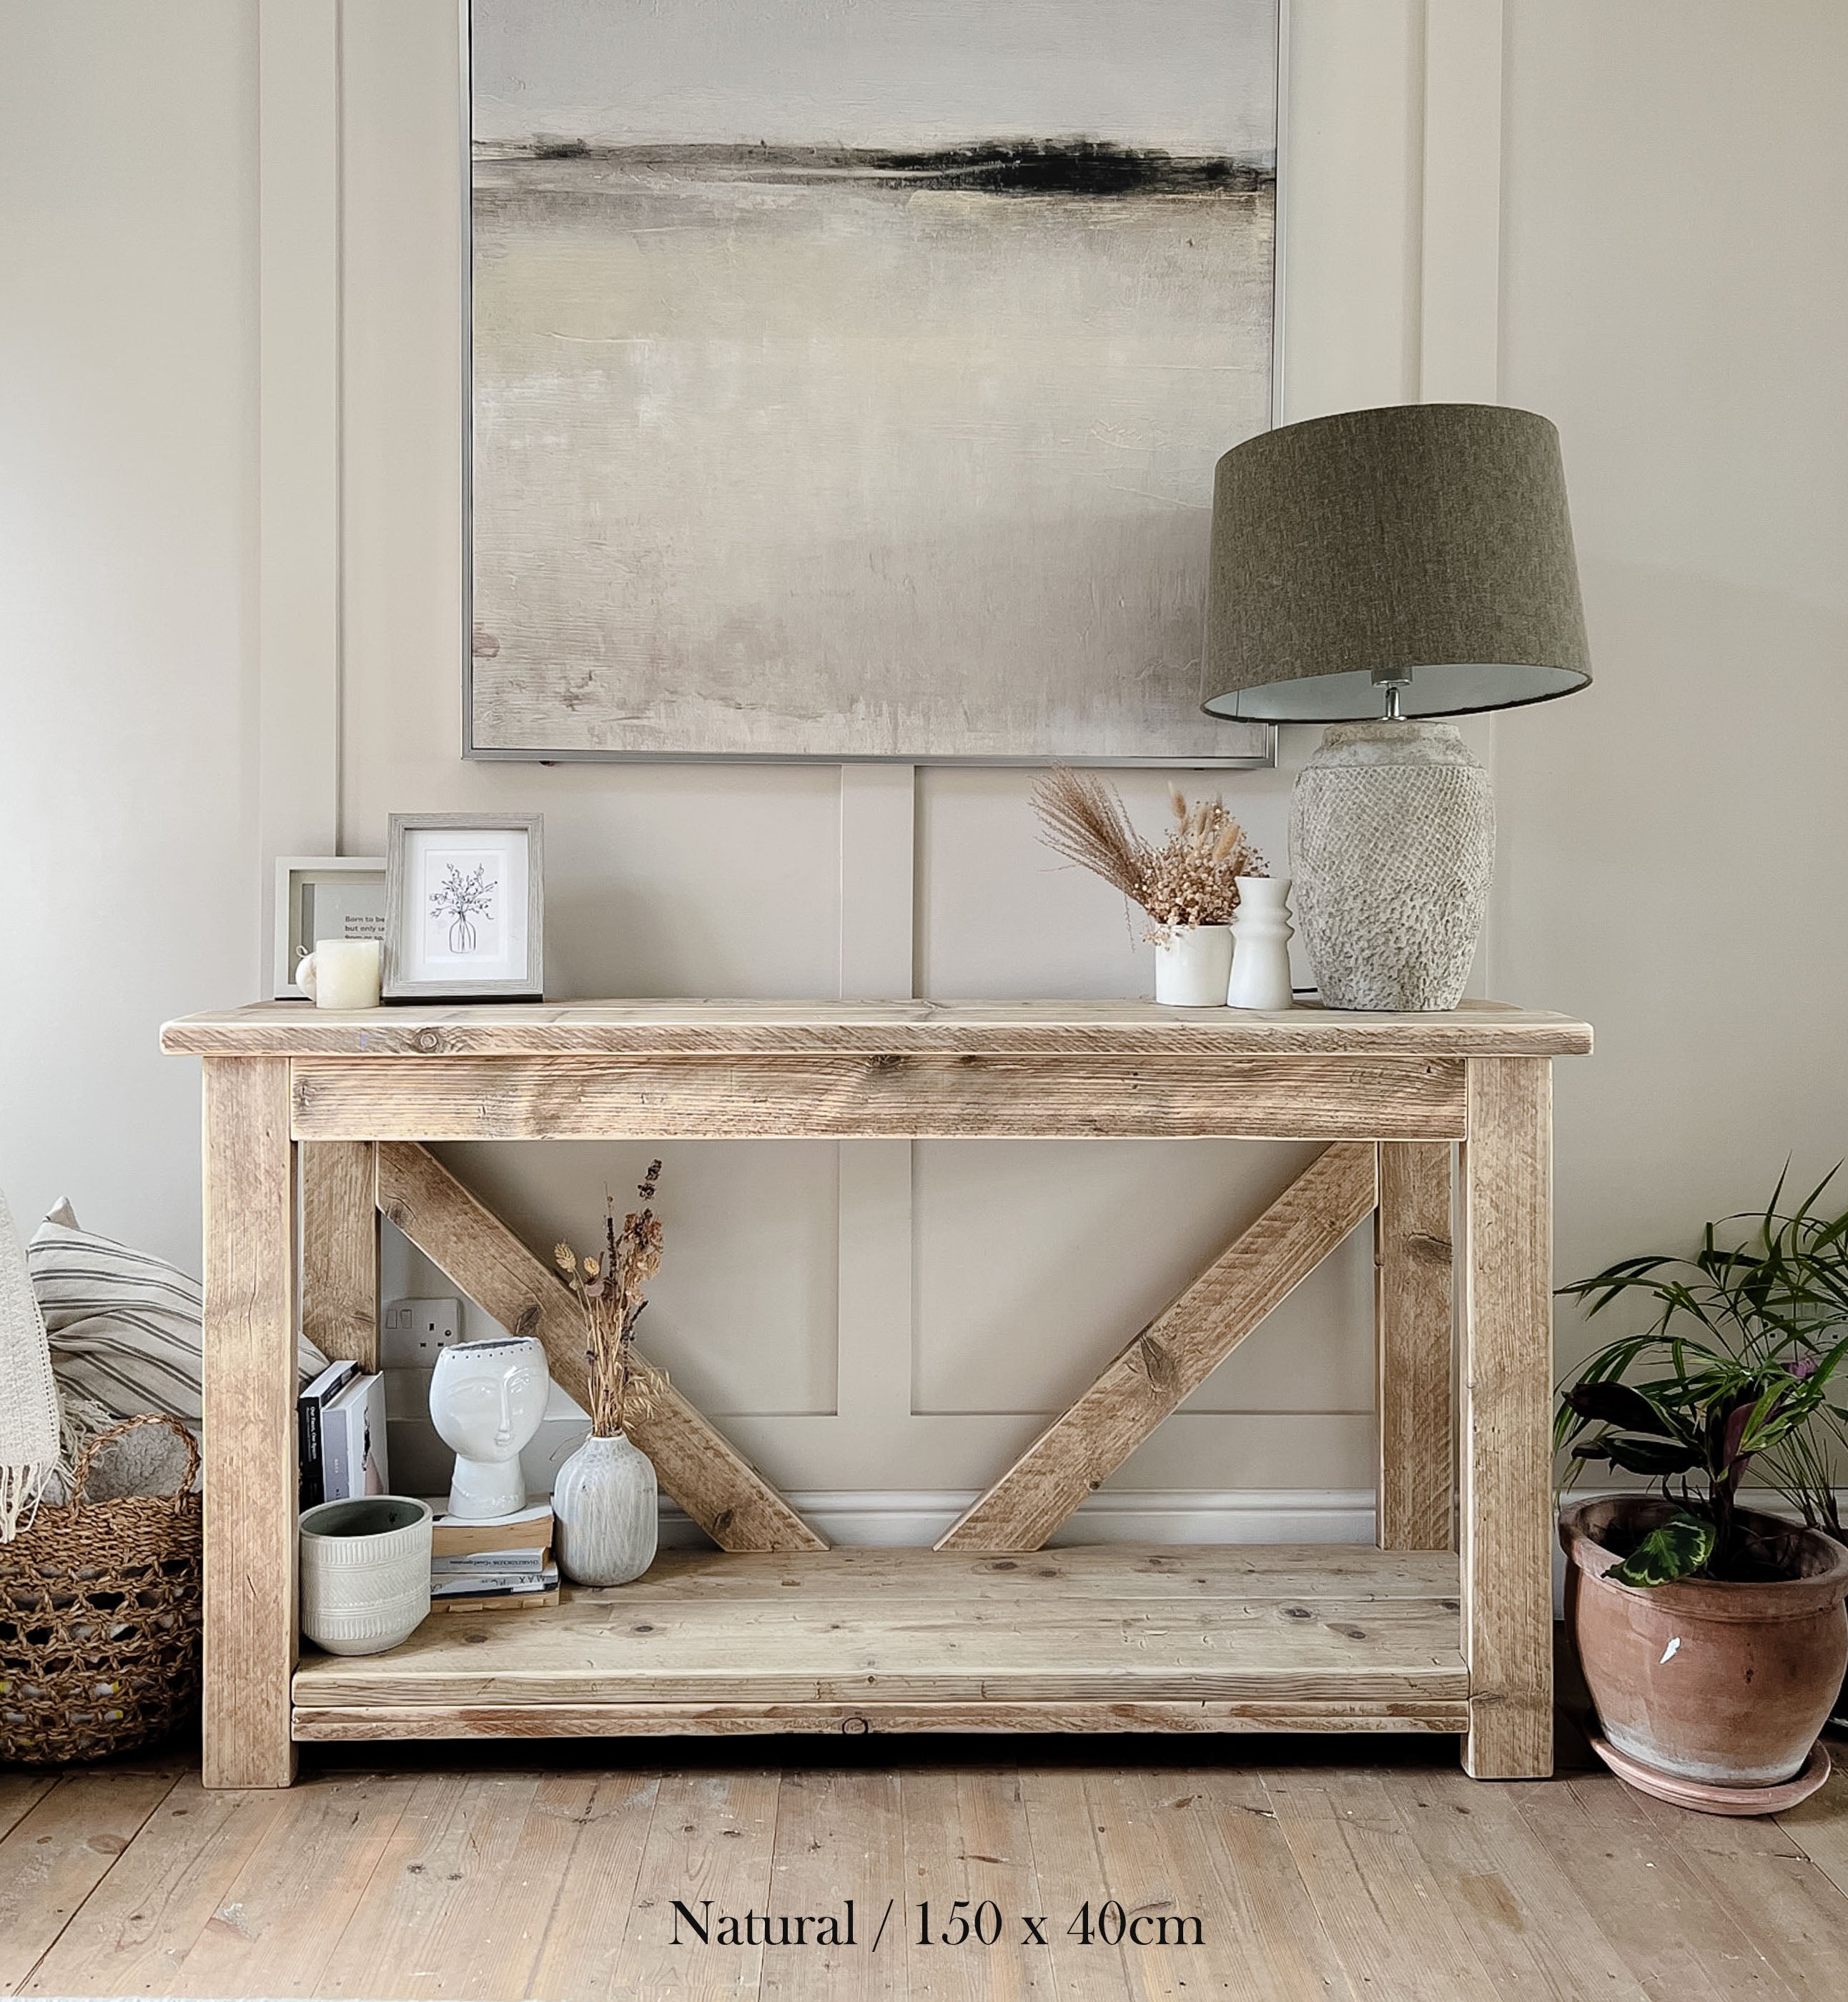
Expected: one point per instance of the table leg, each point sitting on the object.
(1416, 1480)
(1506, 1525)
(340, 1249)
(250, 1477)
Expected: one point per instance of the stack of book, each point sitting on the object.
(499, 1567)
(340, 1425)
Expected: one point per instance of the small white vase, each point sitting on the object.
(1193, 966)
(365, 1572)
(606, 1504)
(1261, 944)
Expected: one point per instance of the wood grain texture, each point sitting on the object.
(437, 1892)
(698, 1467)
(849, 1097)
(612, 1815)
(867, 1028)
(250, 1382)
(340, 1250)
(712, 1835)
(1390, 1927)
(1413, 1329)
(372, 1722)
(1171, 1357)
(838, 1834)
(1288, 1955)
(1506, 1529)
(59, 1851)
(551, 1874)
(840, 1643)
(138, 1929)
(1249, 1572)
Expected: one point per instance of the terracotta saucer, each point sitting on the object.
(1705, 1799)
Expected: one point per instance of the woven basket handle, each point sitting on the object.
(91, 1446)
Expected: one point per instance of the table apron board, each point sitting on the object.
(849, 1096)
(1440, 1126)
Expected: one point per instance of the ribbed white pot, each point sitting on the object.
(1192, 965)
(607, 1506)
(365, 1572)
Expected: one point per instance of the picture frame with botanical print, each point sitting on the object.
(322, 897)
(464, 907)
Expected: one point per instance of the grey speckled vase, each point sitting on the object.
(1393, 843)
(606, 1504)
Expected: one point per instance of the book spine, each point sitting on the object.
(308, 1429)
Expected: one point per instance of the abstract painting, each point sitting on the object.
(849, 374)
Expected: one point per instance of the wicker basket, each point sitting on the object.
(99, 1619)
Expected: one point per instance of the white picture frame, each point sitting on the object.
(310, 888)
(464, 907)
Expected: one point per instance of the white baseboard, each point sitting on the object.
(917, 1517)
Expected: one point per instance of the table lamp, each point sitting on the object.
(1370, 570)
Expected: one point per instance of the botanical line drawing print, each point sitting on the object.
(462, 899)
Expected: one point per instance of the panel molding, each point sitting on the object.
(1413, 86)
(875, 1303)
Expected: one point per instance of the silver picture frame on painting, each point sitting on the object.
(902, 540)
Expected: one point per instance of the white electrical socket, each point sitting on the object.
(415, 1330)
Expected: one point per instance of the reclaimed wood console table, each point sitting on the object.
(1445, 1626)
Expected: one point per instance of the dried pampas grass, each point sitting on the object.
(1190, 878)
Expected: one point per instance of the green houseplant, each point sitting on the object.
(1713, 1636)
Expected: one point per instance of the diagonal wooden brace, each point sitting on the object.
(1173, 1356)
(723, 1492)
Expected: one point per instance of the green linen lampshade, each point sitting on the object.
(1412, 561)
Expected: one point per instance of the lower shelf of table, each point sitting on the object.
(1094, 1637)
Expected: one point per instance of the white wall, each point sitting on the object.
(128, 587)
(1674, 274)
(1665, 268)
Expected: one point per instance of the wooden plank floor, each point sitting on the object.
(1317, 1870)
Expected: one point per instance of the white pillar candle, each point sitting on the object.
(341, 973)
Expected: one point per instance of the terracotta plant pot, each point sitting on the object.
(1719, 1684)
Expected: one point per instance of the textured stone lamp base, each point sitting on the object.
(1392, 842)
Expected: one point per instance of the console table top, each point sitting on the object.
(897, 1028)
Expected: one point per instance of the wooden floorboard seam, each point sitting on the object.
(64, 1779)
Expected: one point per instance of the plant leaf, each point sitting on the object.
(1617, 1404)
(1654, 1457)
(1677, 1549)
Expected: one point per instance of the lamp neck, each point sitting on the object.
(1394, 682)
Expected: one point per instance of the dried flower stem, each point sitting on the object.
(1191, 879)
(611, 1292)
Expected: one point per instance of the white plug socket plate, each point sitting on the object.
(414, 1330)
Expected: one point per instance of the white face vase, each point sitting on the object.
(486, 1399)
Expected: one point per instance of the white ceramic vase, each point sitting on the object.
(606, 1504)
(365, 1572)
(1192, 965)
(1392, 838)
(1261, 944)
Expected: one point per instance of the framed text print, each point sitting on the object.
(322, 897)
(848, 380)
(464, 897)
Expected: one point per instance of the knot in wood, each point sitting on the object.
(428, 1040)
